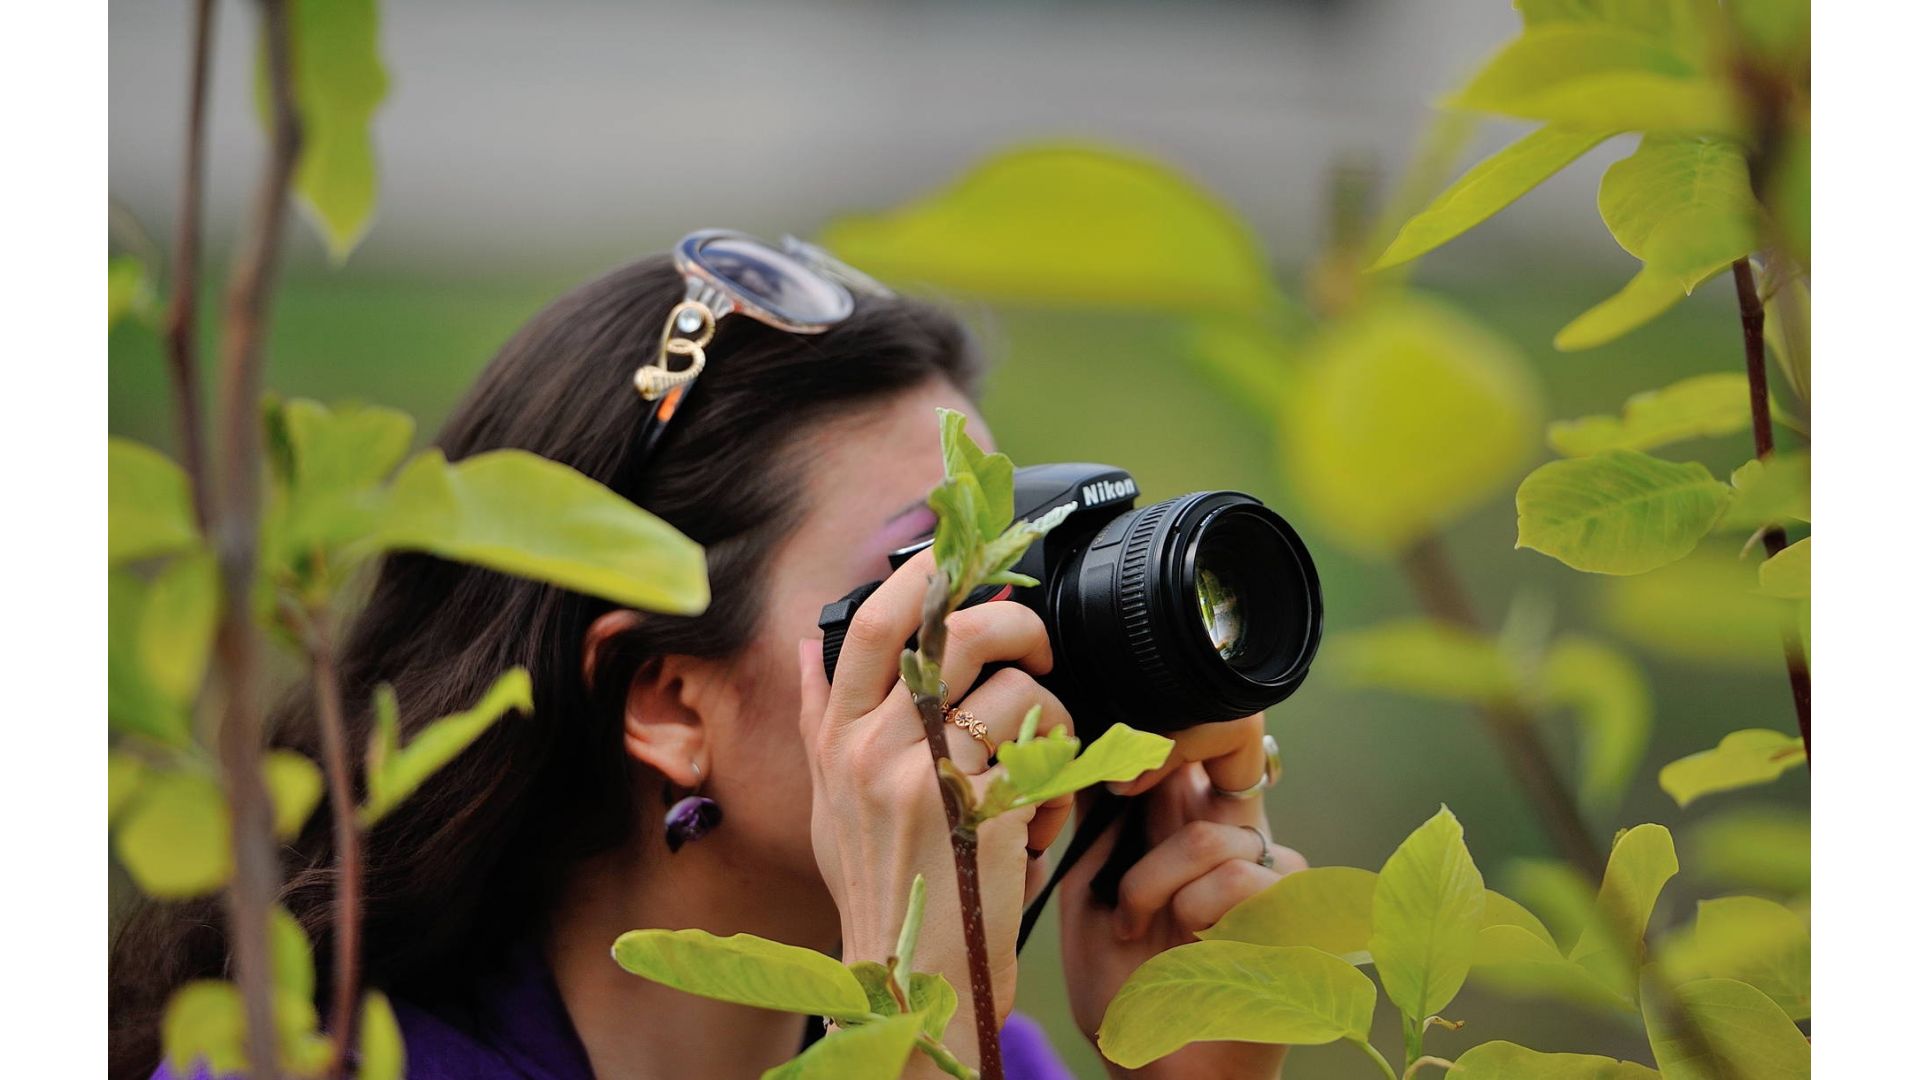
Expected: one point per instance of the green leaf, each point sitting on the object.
(743, 969)
(873, 1051)
(135, 705)
(395, 772)
(176, 626)
(1093, 227)
(125, 774)
(1515, 962)
(173, 837)
(1747, 1036)
(1754, 847)
(993, 472)
(1692, 408)
(1380, 394)
(1791, 195)
(205, 1023)
(1046, 768)
(1489, 187)
(338, 82)
(1742, 760)
(1789, 575)
(347, 447)
(1210, 990)
(930, 997)
(1424, 657)
(1428, 908)
(1562, 895)
(292, 954)
(1703, 609)
(1600, 78)
(1505, 911)
(294, 782)
(1758, 942)
(1618, 512)
(1614, 708)
(1327, 907)
(129, 289)
(1789, 330)
(1510, 1061)
(1683, 206)
(518, 513)
(1638, 868)
(383, 1051)
(149, 506)
(1770, 492)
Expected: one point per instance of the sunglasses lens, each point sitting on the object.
(775, 281)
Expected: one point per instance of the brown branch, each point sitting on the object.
(183, 302)
(346, 838)
(1753, 316)
(1512, 726)
(233, 532)
(966, 860)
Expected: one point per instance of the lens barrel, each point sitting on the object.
(1201, 608)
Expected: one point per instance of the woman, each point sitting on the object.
(492, 896)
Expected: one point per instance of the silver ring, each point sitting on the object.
(1266, 853)
(1269, 774)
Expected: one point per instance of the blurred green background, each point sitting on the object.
(492, 205)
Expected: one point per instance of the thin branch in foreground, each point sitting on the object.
(346, 839)
(184, 280)
(1753, 316)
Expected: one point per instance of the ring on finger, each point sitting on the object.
(1269, 773)
(1265, 859)
(970, 724)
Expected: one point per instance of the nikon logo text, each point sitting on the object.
(1106, 491)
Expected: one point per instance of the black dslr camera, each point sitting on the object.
(1201, 608)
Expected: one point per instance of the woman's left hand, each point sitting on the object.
(1202, 861)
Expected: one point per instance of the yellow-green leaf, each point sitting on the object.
(294, 782)
(1488, 188)
(135, 704)
(1760, 943)
(173, 837)
(149, 506)
(1601, 78)
(1771, 492)
(1562, 895)
(1754, 847)
(1638, 868)
(395, 772)
(129, 289)
(205, 1023)
(1210, 990)
(1646, 295)
(1618, 512)
(1119, 754)
(1675, 24)
(1510, 1061)
(1743, 759)
(1702, 405)
(176, 626)
(383, 1052)
(872, 1051)
(1614, 708)
(125, 774)
(1789, 575)
(1424, 657)
(518, 513)
(1407, 414)
(292, 954)
(930, 997)
(1703, 609)
(1515, 962)
(1327, 907)
(338, 82)
(744, 969)
(1428, 908)
(1746, 1035)
(1093, 227)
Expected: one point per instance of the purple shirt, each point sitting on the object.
(517, 1028)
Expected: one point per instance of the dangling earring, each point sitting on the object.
(692, 817)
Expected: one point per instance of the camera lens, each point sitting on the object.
(1201, 608)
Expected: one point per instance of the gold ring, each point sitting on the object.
(970, 724)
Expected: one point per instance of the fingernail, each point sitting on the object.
(1119, 787)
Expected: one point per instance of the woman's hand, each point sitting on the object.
(877, 814)
(1202, 861)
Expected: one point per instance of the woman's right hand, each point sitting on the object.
(877, 813)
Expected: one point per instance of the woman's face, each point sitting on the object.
(866, 478)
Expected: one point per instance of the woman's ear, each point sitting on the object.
(663, 721)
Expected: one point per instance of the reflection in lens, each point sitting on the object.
(1220, 613)
(775, 281)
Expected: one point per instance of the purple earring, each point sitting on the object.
(692, 817)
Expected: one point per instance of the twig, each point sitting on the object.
(1376, 1056)
(943, 1057)
(346, 838)
(233, 532)
(1753, 316)
(1425, 1060)
(966, 861)
(184, 298)
(1512, 725)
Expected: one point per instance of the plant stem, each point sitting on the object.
(1513, 727)
(1753, 316)
(943, 1057)
(184, 295)
(1378, 1058)
(233, 532)
(346, 838)
(1412, 1034)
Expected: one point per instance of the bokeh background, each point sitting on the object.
(526, 147)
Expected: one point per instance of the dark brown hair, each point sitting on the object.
(468, 867)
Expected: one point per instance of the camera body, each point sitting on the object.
(1196, 609)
